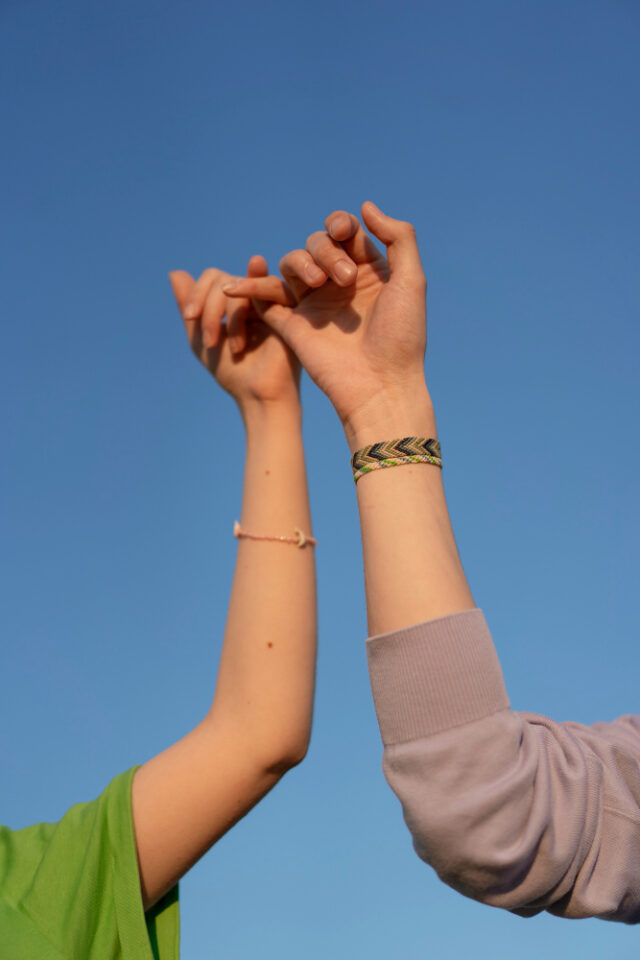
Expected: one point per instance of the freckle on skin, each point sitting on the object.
(269, 644)
(267, 472)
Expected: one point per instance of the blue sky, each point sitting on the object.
(141, 137)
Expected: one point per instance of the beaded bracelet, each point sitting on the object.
(395, 453)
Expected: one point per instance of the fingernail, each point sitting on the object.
(315, 274)
(344, 271)
(229, 287)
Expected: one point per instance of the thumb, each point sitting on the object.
(399, 238)
(181, 284)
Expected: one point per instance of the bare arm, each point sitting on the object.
(411, 564)
(362, 338)
(259, 722)
(512, 809)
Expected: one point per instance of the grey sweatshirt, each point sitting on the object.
(509, 808)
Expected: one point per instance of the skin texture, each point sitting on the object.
(258, 725)
(357, 338)
(363, 341)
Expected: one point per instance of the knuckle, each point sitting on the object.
(315, 239)
(289, 260)
(338, 215)
(207, 275)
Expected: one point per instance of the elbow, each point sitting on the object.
(475, 872)
(284, 756)
(519, 871)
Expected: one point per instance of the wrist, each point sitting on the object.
(392, 414)
(267, 415)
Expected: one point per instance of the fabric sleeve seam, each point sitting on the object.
(455, 726)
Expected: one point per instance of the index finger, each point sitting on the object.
(260, 288)
(347, 230)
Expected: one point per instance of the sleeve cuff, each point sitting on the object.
(143, 936)
(435, 675)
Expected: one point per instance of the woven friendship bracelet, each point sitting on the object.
(395, 453)
(300, 539)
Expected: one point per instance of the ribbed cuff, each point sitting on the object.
(435, 675)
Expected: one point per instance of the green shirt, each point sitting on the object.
(71, 890)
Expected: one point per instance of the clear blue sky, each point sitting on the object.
(140, 137)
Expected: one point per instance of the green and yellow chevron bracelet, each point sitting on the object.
(394, 453)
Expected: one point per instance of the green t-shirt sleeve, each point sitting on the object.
(77, 882)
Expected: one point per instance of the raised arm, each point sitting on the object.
(259, 722)
(362, 335)
(511, 809)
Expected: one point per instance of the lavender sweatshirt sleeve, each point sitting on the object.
(509, 808)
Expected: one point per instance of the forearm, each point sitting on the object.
(266, 675)
(412, 568)
(188, 796)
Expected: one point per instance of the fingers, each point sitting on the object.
(200, 311)
(301, 272)
(203, 305)
(195, 304)
(257, 266)
(212, 316)
(237, 315)
(238, 309)
(271, 298)
(335, 254)
(331, 257)
(277, 317)
(260, 288)
(349, 233)
(182, 284)
(399, 238)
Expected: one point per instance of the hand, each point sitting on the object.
(246, 357)
(356, 321)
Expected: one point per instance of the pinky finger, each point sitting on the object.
(262, 288)
(239, 309)
(257, 266)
